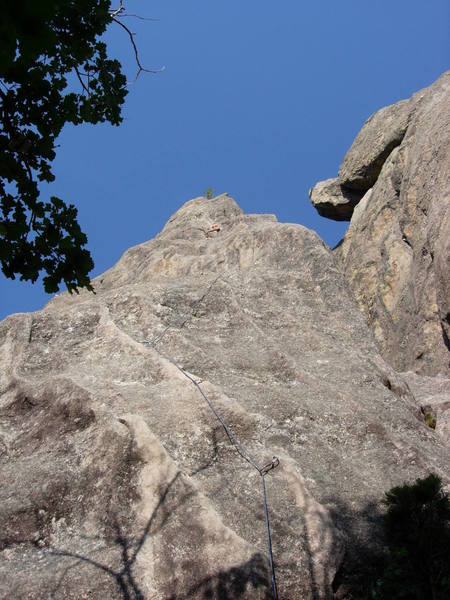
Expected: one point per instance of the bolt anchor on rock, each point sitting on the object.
(272, 465)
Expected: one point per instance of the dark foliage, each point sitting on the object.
(417, 533)
(54, 69)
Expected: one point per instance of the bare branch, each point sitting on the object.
(83, 85)
(117, 11)
(136, 53)
(136, 17)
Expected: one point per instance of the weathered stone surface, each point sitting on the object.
(432, 395)
(334, 201)
(396, 253)
(119, 482)
(381, 133)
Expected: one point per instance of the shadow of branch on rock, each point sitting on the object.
(237, 582)
(129, 550)
(232, 584)
(364, 553)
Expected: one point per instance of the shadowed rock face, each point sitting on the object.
(120, 481)
(396, 253)
(333, 200)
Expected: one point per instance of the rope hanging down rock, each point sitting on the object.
(262, 470)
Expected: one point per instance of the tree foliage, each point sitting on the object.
(417, 532)
(54, 69)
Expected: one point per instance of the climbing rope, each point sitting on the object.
(242, 451)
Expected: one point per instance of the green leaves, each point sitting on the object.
(53, 243)
(46, 45)
(417, 533)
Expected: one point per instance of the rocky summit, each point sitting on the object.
(136, 423)
(394, 187)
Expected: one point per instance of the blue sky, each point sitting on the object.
(259, 99)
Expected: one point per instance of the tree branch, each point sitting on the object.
(83, 85)
(136, 53)
(117, 11)
(137, 17)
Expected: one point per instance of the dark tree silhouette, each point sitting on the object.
(417, 533)
(54, 69)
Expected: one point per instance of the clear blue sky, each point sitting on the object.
(259, 98)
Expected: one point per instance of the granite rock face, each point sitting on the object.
(333, 200)
(396, 253)
(432, 395)
(120, 480)
(382, 132)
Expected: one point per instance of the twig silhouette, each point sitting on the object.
(124, 576)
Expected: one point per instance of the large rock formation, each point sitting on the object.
(396, 253)
(334, 200)
(118, 479)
